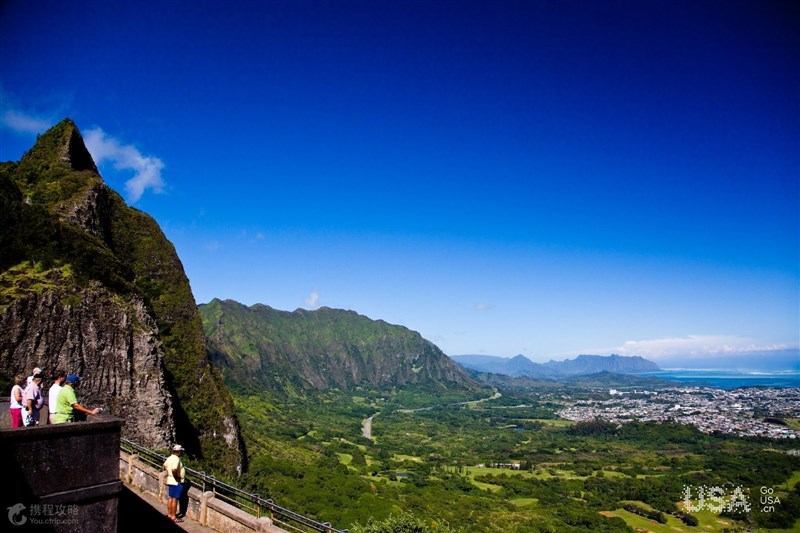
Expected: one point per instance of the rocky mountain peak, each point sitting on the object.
(74, 152)
(93, 286)
(63, 143)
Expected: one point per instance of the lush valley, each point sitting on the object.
(505, 464)
(486, 452)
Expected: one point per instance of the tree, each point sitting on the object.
(404, 523)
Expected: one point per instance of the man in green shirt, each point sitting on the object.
(67, 402)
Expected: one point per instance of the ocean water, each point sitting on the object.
(729, 379)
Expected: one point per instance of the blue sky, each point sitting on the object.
(544, 178)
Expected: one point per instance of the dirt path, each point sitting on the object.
(366, 430)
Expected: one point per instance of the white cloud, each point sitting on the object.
(483, 307)
(313, 298)
(125, 157)
(21, 122)
(696, 346)
(19, 118)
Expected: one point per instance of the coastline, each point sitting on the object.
(729, 379)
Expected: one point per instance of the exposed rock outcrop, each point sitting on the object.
(75, 154)
(90, 210)
(112, 343)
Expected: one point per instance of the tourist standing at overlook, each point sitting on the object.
(36, 370)
(175, 477)
(33, 401)
(67, 402)
(16, 401)
(52, 395)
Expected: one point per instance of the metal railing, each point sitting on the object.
(250, 503)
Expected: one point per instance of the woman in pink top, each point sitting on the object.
(16, 402)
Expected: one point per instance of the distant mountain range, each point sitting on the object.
(521, 366)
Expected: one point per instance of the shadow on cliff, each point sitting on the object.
(186, 433)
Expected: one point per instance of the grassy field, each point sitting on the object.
(383, 479)
(485, 486)
(484, 470)
(709, 522)
(554, 422)
(361, 447)
(642, 524)
(413, 458)
(791, 482)
(524, 502)
(794, 423)
(345, 458)
(544, 473)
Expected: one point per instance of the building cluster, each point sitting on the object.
(749, 412)
(515, 465)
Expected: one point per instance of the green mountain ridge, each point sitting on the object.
(259, 346)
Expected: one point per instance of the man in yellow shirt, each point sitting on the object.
(175, 476)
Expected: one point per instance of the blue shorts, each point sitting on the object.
(175, 491)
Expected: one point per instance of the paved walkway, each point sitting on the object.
(140, 511)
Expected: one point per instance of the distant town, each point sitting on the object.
(748, 412)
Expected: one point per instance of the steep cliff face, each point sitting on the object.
(93, 285)
(111, 341)
(328, 348)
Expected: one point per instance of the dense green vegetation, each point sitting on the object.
(452, 462)
(288, 352)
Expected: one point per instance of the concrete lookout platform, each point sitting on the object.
(196, 506)
(61, 477)
(74, 478)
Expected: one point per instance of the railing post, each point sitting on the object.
(203, 518)
(131, 458)
(162, 483)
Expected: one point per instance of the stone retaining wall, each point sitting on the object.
(62, 477)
